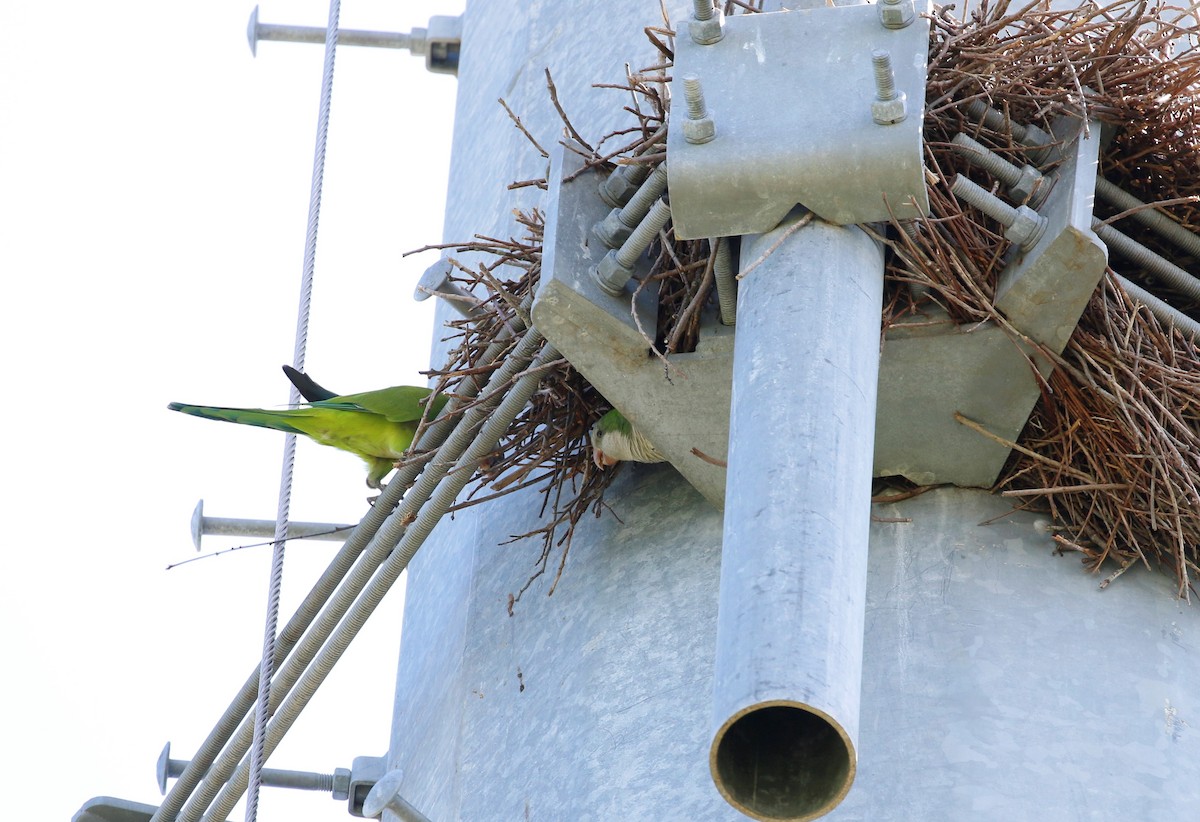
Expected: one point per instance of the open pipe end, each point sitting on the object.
(782, 760)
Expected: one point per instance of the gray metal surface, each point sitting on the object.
(998, 682)
(790, 95)
(929, 372)
(797, 516)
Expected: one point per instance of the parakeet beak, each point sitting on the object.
(602, 459)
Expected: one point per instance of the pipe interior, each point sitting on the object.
(782, 762)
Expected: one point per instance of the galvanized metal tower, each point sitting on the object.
(660, 679)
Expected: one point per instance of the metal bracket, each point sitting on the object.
(927, 375)
(1044, 292)
(684, 410)
(790, 96)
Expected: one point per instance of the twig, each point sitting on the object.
(792, 229)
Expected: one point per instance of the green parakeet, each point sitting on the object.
(376, 425)
(614, 439)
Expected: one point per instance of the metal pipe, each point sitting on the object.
(790, 618)
(203, 526)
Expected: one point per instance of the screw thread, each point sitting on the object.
(979, 155)
(694, 94)
(1141, 256)
(639, 204)
(885, 79)
(644, 234)
(995, 120)
(704, 9)
(989, 204)
(726, 284)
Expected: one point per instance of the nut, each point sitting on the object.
(896, 15)
(707, 32)
(699, 131)
(1026, 229)
(610, 275)
(890, 112)
(619, 186)
(1031, 188)
(611, 231)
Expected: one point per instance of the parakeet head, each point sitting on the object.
(608, 434)
(615, 439)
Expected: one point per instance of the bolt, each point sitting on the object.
(203, 526)
(337, 783)
(619, 186)
(385, 796)
(896, 14)
(723, 276)
(1141, 256)
(1152, 218)
(615, 269)
(890, 106)
(707, 25)
(1022, 225)
(255, 31)
(1025, 184)
(694, 95)
(436, 281)
(620, 223)
(885, 78)
(698, 128)
(1036, 141)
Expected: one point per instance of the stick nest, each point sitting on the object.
(1112, 449)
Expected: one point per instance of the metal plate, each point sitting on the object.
(681, 411)
(790, 94)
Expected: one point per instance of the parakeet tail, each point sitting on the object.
(278, 420)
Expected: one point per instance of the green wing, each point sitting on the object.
(400, 403)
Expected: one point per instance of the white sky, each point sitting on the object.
(154, 183)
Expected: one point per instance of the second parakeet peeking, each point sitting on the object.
(614, 439)
(378, 426)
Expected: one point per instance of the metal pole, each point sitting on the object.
(788, 666)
